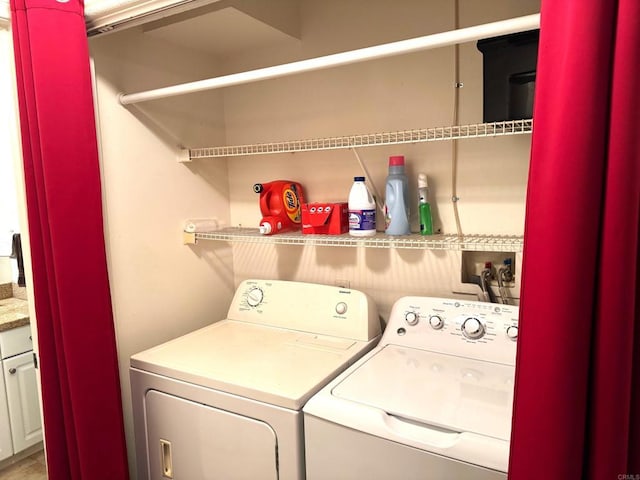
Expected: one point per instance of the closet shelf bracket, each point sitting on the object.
(183, 156)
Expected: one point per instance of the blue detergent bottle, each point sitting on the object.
(396, 206)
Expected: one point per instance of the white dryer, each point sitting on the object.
(432, 401)
(226, 401)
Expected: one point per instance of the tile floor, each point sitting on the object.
(30, 468)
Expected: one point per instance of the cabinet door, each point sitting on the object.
(6, 450)
(24, 404)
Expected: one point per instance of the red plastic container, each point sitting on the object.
(325, 218)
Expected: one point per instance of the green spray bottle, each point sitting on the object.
(424, 209)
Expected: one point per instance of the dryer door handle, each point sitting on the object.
(165, 458)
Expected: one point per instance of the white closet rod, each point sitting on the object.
(443, 39)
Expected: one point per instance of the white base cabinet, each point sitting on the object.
(6, 447)
(22, 399)
(20, 418)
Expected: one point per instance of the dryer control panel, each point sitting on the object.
(478, 330)
(307, 307)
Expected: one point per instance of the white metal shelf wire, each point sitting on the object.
(505, 243)
(493, 129)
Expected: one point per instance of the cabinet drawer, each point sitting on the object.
(15, 341)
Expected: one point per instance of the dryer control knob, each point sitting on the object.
(255, 297)
(436, 322)
(411, 318)
(341, 308)
(512, 332)
(472, 328)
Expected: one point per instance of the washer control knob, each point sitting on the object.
(512, 332)
(436, 322)
(341, 308)
(411, 318)
(255, 297)
(472, 328)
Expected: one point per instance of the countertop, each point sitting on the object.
(14, 313)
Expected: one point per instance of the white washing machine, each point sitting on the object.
(225, 401)
(432, 401)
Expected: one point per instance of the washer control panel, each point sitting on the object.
(478, 330)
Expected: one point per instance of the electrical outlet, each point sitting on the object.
(342, 283)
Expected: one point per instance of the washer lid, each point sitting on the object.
(450, 392)
(273, 365)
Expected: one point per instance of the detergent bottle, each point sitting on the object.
(424, 208)
(280, 203)
(396, 207)
(362, 210)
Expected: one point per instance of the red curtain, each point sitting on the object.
(82, 407)
(577, 391)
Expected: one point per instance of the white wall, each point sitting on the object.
(161, 288)
(8, 199)
(4, 13)
(409, 91)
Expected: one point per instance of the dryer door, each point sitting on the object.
(192, 441)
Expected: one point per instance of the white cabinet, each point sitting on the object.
(6, 447)
(22, 399)
(20, 405)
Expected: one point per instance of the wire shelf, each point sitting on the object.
(494, 129)
(508, 243)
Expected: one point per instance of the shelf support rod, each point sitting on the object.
(443, 39)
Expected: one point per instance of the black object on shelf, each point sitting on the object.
(509, 75)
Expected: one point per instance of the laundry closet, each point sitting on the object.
(160, 167)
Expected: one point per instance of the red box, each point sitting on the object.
(325, 218)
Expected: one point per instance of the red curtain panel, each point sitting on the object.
(82, 407)
(577, 391)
